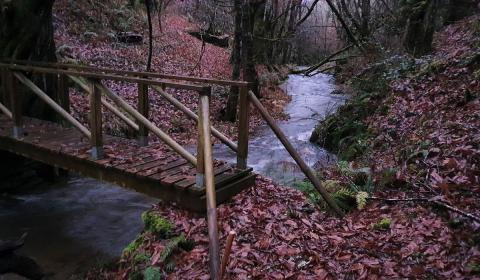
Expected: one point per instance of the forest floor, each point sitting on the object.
(431, 117)
(85, 33)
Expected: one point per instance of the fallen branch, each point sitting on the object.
(309, 70)
(433, 201)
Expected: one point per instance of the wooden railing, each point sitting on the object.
(90, 79)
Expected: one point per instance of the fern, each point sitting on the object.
(361, 199)
(174, 244)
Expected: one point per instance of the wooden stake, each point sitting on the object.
(291, 150)
(15, 105)
(226, 254)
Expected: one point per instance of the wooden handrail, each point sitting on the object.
(83, 84)
(5, 110)
(102, 76)
(209, 186)
(24, 80)
(139, 117)
(194, 116)
(132, 73)
(291, 150)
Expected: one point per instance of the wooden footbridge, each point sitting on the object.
(174, 174)
(196, 182)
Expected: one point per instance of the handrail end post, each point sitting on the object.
(243, 123)
(97, 152)
(17, 131)
(199, 180)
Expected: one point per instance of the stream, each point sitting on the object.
(80, 222)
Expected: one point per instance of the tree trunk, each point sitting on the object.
(420, 27)
(248, 50)
(26, 33)
(231, 109)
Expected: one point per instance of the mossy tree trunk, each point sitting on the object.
(26, 33)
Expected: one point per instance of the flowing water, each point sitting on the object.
(312, 100)
(81, 222)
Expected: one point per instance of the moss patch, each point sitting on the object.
(157, 224)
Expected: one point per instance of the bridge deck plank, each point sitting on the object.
(154, 170)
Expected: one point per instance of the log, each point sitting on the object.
(216, 40)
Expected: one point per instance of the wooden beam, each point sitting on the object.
(96, 122)
(24, 80)
(5, 111)
(200, 176)
(132, 73)
(193, 116)
(214, 247)
(157, 131)
(143, 108)
(15, 104)
(243, 123)
(102, 76)
(83, 84)
(291, 150)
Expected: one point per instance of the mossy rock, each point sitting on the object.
(157, 224)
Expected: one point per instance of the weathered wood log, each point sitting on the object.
(129, 38)
(216, 40)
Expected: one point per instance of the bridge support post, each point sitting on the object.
(96, 122)
(143, 108)
(200, 176)
(15, 104)
(63, 96)
(243, 119)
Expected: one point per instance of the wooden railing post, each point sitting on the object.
(15, 104)
(4, 97)
(96, 122)
(63, 95)
(242, 154)
(143, 108)
(214, 247)
(200, 177)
